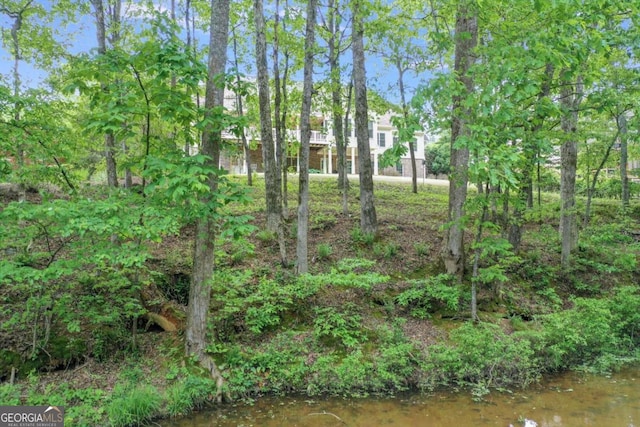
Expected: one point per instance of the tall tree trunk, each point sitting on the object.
(532, 157)
(240, 111)
(109, 138)
(305, 136)
(346, 136)
(368, 218)
(624, 177)
(466, 40)
(283, 124)
(333, 25)
(476, 258)
(405, 115)
(187, 131)
(204, 258)
(273, 181)
(17, 16)
(570, 102)
(277, 99)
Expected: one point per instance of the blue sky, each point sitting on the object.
(81, 37)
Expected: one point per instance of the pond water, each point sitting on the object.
(572, 399)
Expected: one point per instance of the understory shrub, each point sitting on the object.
(481, 357)
(343, 327)
(350, 375)
(581, 335)
(324, 251)
(424, 294)
(9, 395)
(279, 366)
(625, 311)
(394, 361)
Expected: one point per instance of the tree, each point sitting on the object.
(466, 40)
(277, 103)
(570, 98)
(334, 34)
(204, 256)
(305, 136)
(397, 43)
(107, 29)
(273, 182)
(437, 157)
(17, 14)
(239, 89)
(368, 218)
(621, 122)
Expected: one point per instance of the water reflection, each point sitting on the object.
(569, 400)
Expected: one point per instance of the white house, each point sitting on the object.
(323, 149)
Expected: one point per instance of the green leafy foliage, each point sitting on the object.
(580, 335)
(437, 158)
(260, 302)
(324, 251)
(365, 239)
(74, 264)
(281, 365)
(422, 249)
(626, 316)
(385, 250)
(344, 326)
(347, 274)
(425, 295)
(188, 394)
(181, 184)
(475, 356)
(133, 405)
(9, 395)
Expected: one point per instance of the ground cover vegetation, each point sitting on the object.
(80, 330)
(139, 279)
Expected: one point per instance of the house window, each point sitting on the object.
(382, 139)
(370, 127)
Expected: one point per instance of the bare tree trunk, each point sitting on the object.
(368, 218)
(624, 177)
(240, 112)
(466, 40)
(476, 259)
(204, 256)
(187, 11)
(333, 25)
(345, 185)
(570, 101)
(405, 114)
(128, 177)
(273, 181)
(283, 125)
(305, 136)
(109, 138)
(17, 16)
(277, 100)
